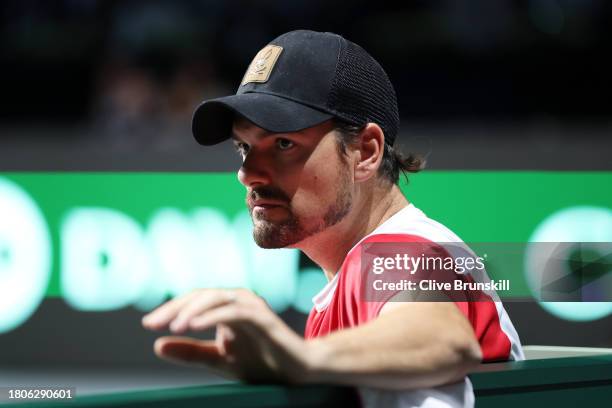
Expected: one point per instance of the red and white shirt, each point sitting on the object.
(339, 306)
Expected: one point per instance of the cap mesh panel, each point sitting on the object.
(361, 91)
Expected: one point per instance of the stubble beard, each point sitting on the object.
(292, 231)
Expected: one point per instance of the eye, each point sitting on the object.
(284, 144)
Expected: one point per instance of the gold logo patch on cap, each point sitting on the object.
(262, 64)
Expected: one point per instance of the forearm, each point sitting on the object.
(397, 351)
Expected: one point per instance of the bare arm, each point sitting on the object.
(409, 345)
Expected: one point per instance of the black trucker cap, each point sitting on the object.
(300, 79)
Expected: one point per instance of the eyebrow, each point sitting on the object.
(235, 138)
(261, 133)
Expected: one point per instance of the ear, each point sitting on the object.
(371, 146)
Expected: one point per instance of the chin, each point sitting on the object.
(272, 236)
(270, 244)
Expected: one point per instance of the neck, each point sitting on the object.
(329, 247)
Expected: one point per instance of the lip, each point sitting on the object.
(266, 203)
(265, 208)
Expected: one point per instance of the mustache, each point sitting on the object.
(266, 193)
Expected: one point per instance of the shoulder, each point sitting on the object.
(412, 221)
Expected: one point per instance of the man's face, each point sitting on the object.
(297, 183)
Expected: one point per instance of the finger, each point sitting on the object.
(223, 337)
(229, 313)
(200, 305)
(188, 350)
(160, 317)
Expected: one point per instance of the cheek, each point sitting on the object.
(319, 180)
(317, 191)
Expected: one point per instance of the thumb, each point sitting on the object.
(188, 350)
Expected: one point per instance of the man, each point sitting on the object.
(315, 120)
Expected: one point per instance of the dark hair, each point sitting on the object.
(393, 161)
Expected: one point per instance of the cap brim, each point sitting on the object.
(212, 120)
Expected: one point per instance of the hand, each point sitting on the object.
(252, 343)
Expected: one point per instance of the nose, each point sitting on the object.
(254, 170)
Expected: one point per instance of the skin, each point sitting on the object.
(312, 198)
